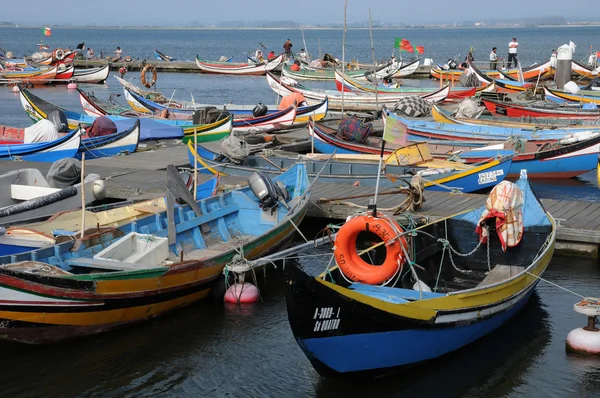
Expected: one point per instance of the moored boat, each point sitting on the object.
(146, 268)
(228, 68)
(357, 320)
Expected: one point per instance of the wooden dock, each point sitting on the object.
(142, 176)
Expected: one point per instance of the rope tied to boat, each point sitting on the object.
(517, 142)
(413, 201)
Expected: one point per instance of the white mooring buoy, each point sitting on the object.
(586, 340)
(15, 89)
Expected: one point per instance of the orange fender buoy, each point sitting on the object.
(357, 269)
(148, 68)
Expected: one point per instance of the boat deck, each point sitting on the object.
(142, 176)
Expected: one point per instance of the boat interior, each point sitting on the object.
(227, 222)
(446, 256)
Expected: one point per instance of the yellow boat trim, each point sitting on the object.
(92, 318)
(201, 161)
(136, 284)
(427, 309)
(464, 173)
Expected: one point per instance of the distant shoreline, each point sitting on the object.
(296, 28)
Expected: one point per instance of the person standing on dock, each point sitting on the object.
(493, 59)
(287, 47)
(512, 52)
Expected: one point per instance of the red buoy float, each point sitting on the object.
(242, 293)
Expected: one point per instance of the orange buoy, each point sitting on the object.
(357, 269)
(152, 69)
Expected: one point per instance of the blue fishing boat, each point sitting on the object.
(116, 277)
(44, 232)
(243, 114)
(359, 320)
(436, 175)
(150, 129)
(122, 142)
(51, 151)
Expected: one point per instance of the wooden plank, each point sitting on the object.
(571, 215)
(565, 208)
(584, 220)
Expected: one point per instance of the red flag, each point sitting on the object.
(597, 54)
(406, 46)
(420, 49)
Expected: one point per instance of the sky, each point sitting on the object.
(183, 12)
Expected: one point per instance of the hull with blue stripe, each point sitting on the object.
(352, 329)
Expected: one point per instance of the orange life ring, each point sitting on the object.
(353, 266)
(148, 68)
(58, 54)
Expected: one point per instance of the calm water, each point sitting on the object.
(217, 350)
(535, 44)
(214, 350)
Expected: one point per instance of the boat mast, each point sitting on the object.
(344, 54)
(308, 57)
(374, 62)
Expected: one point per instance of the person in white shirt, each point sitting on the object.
(512, 52)
(493, 59)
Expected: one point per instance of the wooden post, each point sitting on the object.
(195, 154)
(82, 195)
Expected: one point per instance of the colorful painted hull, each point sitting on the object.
(355, 330)
(529, 73)
(227, 68)
(64, 147)
(157, 128)
(350, 84)
(562, 162)
(441, 115)
(518, 111)
(589, 97)
(64, 305)
(480, 178)
(93, 75)
(241, 117)
(347, 101)
(119, 143)
(205, 132)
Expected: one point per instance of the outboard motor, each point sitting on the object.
(259, 110)
(267, 192)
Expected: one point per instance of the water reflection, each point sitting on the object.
(210, 349)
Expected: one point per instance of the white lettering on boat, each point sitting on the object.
(326, 318)
(489, 176)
